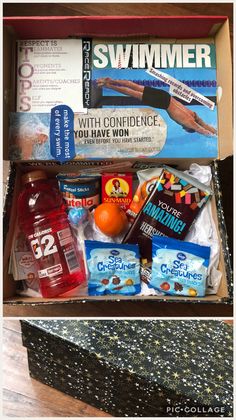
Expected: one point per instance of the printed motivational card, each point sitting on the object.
(49, 73)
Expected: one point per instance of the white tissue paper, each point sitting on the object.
(95, 234)
(202, 232)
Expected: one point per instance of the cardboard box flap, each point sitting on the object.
(172, 27)
(161, 26)
(224, 81)
(201, 27)
(8, 82)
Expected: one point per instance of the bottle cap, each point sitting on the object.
(33, 176)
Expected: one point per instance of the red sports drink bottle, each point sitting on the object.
(43, 219)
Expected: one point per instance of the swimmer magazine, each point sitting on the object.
(125, 100)
(138, 75)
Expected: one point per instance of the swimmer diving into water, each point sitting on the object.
(157, 98)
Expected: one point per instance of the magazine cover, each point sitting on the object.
(176, 80)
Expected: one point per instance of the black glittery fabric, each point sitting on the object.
(155, 365)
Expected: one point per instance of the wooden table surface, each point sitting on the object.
(151, 9)
(26, 397)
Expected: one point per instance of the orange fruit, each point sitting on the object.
(110, 219)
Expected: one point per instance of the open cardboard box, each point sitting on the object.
(165, 27)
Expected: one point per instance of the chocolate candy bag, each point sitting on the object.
(113, 268)
(170, 210)
(178, 267)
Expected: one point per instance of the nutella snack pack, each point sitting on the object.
(79, 190)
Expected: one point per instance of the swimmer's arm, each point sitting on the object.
(26, 147)
(188, 119)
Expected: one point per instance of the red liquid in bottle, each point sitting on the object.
(43, 219)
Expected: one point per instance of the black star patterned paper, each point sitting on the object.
(155, 364)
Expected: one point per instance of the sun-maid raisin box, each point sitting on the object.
(213, 31)
(117, 188)
(136, 368)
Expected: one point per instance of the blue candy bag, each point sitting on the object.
(179, 267)
(113, 268)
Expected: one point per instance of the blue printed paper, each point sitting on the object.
(62, 145)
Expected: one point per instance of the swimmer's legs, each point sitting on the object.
(126, 91)
(126, 83)
(123, 86)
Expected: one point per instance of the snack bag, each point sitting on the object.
(178, 267)
(113, 268)
(147, 179)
